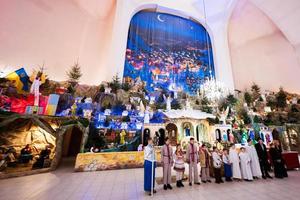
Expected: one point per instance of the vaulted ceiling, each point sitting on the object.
(286, 15)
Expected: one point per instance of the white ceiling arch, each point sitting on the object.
(286, 15)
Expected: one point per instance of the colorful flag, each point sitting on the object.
(20, 79)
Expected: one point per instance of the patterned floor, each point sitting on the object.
(128, 184)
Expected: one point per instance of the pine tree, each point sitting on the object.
(231, 100)
(248, 98)
(244, 115)
(115, 84)
(255, 89)
(281, 98)
(74, 74)
(205, 105)
(125, 86)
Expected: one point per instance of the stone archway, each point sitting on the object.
(60, 139)
(172, 133)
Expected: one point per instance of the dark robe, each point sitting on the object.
(263, 159)
(278, 162)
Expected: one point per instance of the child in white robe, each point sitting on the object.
(235, 160)
(255, 167)
(245, 165)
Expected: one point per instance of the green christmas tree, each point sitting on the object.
(255, 89)
(248, 98)
(281, 98)
(115, 84)
(74, 74)
(231, 100)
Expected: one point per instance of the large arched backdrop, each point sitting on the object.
(167, 52)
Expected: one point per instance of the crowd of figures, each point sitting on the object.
(27, 156)
(248, 163)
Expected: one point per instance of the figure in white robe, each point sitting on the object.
(169, 101)
(245, 165)
(235, 160)
(255, 167)
(35, 89)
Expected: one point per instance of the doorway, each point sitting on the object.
(72, 142)
(162, 136)
(172, 133)
(146, 136)
(218, 135)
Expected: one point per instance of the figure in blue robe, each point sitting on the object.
(149, 167)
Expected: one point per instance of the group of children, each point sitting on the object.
(239, 165)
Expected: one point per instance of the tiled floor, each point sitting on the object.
(128, 184)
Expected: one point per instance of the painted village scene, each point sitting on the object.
(43, 121)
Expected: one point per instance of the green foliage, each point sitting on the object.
(101, 88)
(257, 119)
(85, 122)
(231, 100)
(223, 105)
(248, 98)
(71, 89)
(115, 84)
(281, 98)
(126, 86)
(49, 87)
(205, 105)
(268, 120)
(175, 104)
(294, 114)
(255, 89)
(74, 74)
(276, 118)
(244, 115)
(271, 102)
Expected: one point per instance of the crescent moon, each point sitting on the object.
(159, 19)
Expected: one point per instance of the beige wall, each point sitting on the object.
(57, 32)
(259, 51)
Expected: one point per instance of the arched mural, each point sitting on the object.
(167, 53)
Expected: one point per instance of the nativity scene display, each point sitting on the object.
(158, 97)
